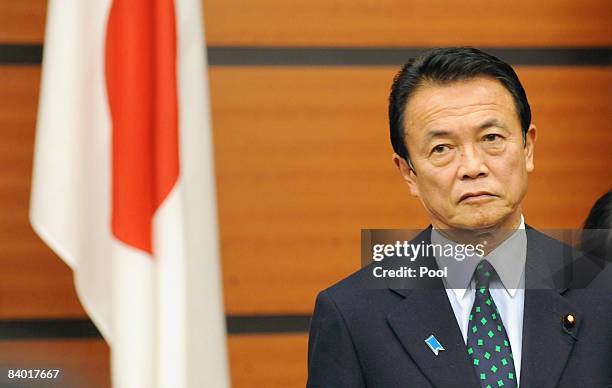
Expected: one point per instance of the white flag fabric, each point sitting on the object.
(123, 184)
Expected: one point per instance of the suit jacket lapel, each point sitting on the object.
(426, 311)
(547, 343)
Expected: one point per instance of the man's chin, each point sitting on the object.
(480, 219)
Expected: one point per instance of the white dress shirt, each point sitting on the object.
(507, 289)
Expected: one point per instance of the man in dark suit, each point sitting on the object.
(528, 309)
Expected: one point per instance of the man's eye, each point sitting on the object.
(439, 149)
(492, 137)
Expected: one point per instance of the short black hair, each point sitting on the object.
(596, 236)
(443, 66)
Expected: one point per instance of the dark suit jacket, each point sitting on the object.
(364, 337)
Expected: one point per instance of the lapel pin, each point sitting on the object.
(569, 320)
(434, 344)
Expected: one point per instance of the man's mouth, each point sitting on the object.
(477, 196)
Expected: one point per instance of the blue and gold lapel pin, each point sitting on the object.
(434, 344)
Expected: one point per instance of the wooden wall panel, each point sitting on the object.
(573, 156)
(408, 23)
(302, 160)
(303, 163)
(22, 21)
(33, 282)
(368, 23)
(271, 361)
(83, 363)
(274, 361)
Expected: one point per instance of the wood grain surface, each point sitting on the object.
(303, 163)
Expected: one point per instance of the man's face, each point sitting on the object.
(466, 145)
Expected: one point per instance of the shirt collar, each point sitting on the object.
(508, 260)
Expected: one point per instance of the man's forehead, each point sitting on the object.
(478, 99)
(486, 122)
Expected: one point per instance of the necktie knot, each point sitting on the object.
(483, 273)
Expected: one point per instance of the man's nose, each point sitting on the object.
(471, 163)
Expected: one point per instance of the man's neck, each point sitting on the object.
(490, 238)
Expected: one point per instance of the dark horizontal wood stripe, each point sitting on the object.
(329, 56)
(337, 56)
(251, 324)
(84, 328)
(47, 329)
(22, 54)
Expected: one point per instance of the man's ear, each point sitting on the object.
(530, 139)
(407, 173)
